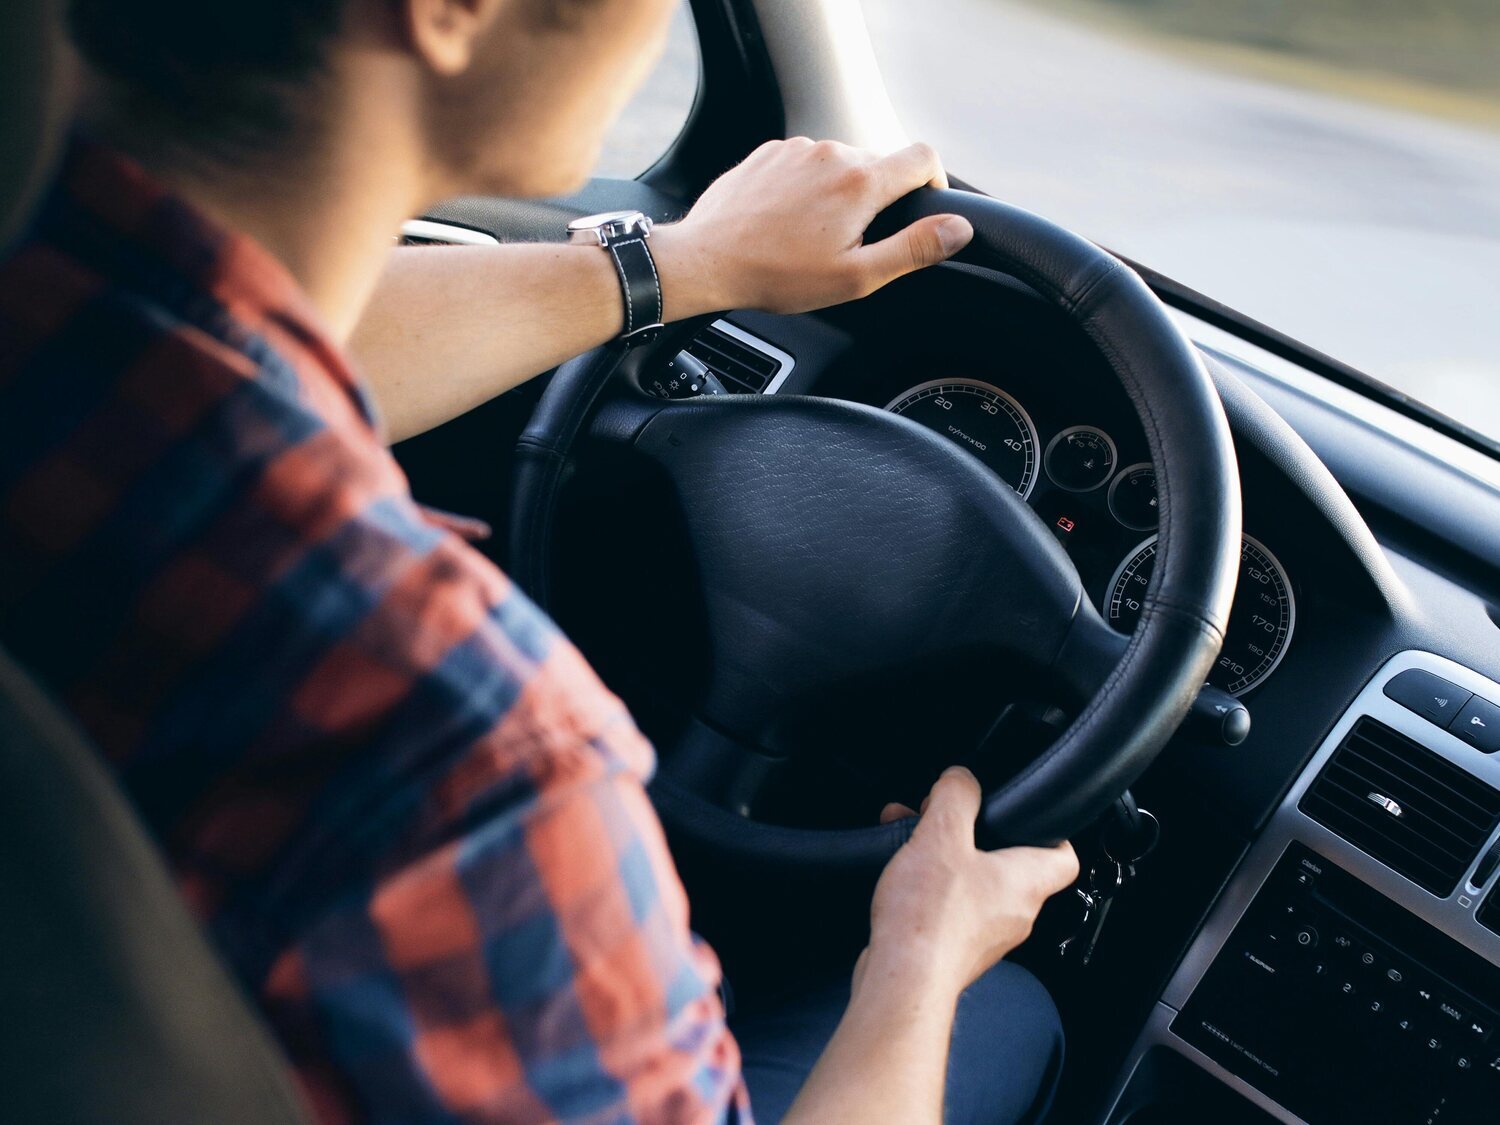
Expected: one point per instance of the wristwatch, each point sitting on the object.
(624, 235)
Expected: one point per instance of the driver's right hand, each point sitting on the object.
(944, 911)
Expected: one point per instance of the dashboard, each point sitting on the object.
(1079, 488)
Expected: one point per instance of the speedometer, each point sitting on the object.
(1260, 622)
(983, 419)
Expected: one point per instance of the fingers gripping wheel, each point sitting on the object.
(836, 540)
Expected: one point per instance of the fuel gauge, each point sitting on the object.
(1132, 497)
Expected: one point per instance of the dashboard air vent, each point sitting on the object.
(1404, 805)
(743, 364)
(427, 232)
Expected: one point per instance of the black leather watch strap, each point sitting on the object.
(641, 287)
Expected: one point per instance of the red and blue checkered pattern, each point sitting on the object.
(403, 806)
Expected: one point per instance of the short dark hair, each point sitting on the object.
(223, 73)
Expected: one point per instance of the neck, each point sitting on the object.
(329, 208)
(332, 225)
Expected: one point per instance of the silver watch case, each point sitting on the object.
(610, 226)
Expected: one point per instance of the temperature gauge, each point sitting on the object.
(1080, 459)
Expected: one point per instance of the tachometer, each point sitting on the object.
(983, 419)
(1260, 623)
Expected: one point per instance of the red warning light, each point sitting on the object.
(1065, 524)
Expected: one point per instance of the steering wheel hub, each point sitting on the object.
(837, 542)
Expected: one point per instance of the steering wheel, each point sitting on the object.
(836, 541)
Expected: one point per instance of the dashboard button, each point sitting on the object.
(1428, 695)
(1453, 1013)
(1478, 724)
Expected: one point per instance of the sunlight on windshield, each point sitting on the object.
(659, 109)
(1331, 167)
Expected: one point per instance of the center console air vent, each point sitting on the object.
(743, 363)
(1404, 805)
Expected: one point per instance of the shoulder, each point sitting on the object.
(77, 348)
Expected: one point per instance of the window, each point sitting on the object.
(659, 110)
(1330, 167)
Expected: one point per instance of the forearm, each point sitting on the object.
(888, 1060)
(450, 327)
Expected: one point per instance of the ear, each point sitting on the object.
(443, 32)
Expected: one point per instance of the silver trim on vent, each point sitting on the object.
(1453, 916)
(432, 231)
(1387, 804)
(767, 349)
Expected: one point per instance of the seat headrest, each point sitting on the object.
(116, 1007)
(35, 96)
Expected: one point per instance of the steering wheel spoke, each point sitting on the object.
(1090, 654)
(718, 768)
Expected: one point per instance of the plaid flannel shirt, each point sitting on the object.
(404, 808)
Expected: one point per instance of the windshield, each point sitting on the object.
(1329, 167)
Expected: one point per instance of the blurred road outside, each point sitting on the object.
(1355, 211)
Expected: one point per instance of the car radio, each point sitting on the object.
(1350, 971)
(1341, 1006)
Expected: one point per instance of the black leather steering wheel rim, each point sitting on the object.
(1142, 700)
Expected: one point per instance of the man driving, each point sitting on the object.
(408, 814)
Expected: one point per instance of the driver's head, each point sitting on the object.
(496, 96)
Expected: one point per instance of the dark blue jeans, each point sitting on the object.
(1003, 1061)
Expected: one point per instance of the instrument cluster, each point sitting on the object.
(1104, 513)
